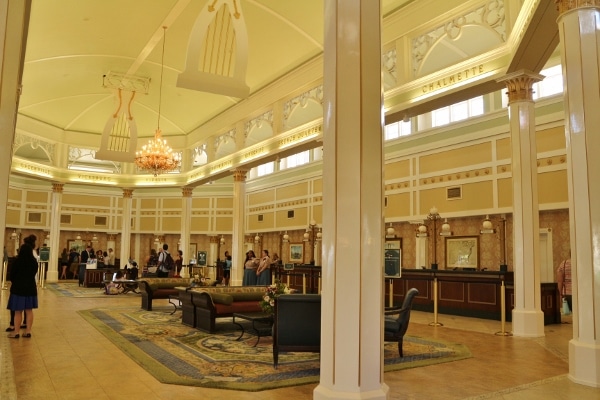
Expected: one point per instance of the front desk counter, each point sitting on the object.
(467, 293)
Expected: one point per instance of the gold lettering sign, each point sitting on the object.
(297, 137)
(454, 78)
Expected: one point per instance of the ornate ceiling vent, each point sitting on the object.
(217, 55)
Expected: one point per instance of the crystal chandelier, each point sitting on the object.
(157, 157)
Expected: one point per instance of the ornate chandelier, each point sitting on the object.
(157, 157)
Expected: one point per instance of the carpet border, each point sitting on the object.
(165, 375)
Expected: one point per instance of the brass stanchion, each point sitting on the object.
(303, 283)
(503, 312)
(435, 304)
(391, 293)
(288, 280)
(319, 284)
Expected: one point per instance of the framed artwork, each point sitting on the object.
(462, 252)
(76, 244)
(297, 252)
(392, 250)
(192, 251)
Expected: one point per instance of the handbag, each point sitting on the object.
(565, 307)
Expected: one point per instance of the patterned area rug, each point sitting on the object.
(176, 354)
(72, 289)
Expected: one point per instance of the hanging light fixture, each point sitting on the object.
(157, 157)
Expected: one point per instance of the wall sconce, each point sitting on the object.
(422, 230)
(257, 238)
(14, 235)
(446, 228)
(487, 226)
(94, 238)
(222, 240)
(179, 242)
(286, 237)
(390, 232)
(319, 235)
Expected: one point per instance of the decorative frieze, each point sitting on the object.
(301, 100)
(258, 122)
(567, 5)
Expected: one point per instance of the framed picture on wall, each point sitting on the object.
(392, 251)
(297, 252)
(75, 244)
(462, 252)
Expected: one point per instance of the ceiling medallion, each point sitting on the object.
(157, 157)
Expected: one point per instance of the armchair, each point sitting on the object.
(396, 320)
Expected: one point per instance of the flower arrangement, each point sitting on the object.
(197, 280)
(273, 291)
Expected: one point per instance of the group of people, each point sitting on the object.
(158, 259)
(70, 260)
(257, 271)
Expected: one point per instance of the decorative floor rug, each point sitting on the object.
(72, 289)
(176, 354)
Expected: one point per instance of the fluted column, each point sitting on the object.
(579, 29)
(352, 291)
(55, 250)
(186, 226)
(126, 228)
(238, 253)
(527, 316)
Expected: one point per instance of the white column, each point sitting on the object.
(126, 229)
(55, 250)
(238, 252)
(14, 18)
(186, 226)
(352, 291)
(527, 316)
(580, 50)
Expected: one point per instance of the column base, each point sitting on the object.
(584, 363)
(528, 323)
(323, 393)
(51, 276)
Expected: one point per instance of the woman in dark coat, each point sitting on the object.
(23, 288)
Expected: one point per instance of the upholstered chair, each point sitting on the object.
(396, 320)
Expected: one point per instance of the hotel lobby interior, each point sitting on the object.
(328, 132)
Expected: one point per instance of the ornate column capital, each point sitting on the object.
(567, 5)
(520, 85)
(127, 193)
(186, 191)
(57, 187)
(239, 175)
(213, 239)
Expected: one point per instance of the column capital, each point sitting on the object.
(520, 85)
(239, 175)
(186, 191)
(57, 187)
(127, 193)
(213, 239)
(564, 6)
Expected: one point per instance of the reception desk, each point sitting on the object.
(467, 293)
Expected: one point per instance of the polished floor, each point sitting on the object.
(67, 358)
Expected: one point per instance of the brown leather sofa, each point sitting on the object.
(159, 288)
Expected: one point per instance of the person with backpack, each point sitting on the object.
(165, 262)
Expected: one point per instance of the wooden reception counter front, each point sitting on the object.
(467, 293)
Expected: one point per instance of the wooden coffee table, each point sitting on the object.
(262, 324)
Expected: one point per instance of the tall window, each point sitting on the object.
(397, 129)
(295, 160)
(265, 169)
(457, 112)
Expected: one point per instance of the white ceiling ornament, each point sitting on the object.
(217, 55)
(119, 137)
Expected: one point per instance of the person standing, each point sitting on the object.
(227, 269)
(263, 272)
(23, 288)
(563, 277)
(250, 266)
(64, 263)
(162, 271)
(178, 264)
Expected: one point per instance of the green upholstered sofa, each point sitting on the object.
(159, 288)
(210, 303)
